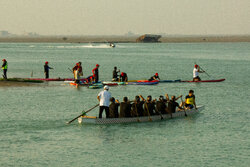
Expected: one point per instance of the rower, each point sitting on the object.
(172, 104)
(113, 108)
(104, 99)
(115, 74)
(155, 77)
(123, 77)
(196, 72)
(161, 105)
(125, 108)
(46, 69)
(149, 106)
(190, 100)
(96, 73)
(5, 68)
(137, 106)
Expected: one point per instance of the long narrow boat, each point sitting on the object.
(216, 80)
(142, 83)
(177, 80)
(95, 120)
(21, 80)
(53, 79)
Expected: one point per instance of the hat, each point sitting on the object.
(122, 73)
(97, 65)
(195, 65)
(156, 74)
(3, 60)
(46, 62)
(106, 87)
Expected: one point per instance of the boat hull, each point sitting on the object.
(217, 80)
(95, 120)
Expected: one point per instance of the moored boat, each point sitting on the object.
(213, 80)
(96, 120)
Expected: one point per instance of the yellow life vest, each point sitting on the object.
(5, 67)
(190, 100)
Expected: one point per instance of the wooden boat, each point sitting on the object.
(217, 80)
(95, 120)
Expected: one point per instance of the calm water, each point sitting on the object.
(32, 122)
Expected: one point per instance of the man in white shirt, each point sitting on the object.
(104, 99)
(196, 72)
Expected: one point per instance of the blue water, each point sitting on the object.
(33, 131)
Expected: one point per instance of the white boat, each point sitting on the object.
(95, 120)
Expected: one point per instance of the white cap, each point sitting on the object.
(106, 87)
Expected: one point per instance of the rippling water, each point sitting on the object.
(32, 123)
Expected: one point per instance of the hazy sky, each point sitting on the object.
(117, 17)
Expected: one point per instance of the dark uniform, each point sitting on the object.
(124, 77)
(172, 106)
(115, 75)
(149, 107)
(113, 110)
(125, 109)
(154, 77)
(161, 107)
(46, 70)
(137, 109)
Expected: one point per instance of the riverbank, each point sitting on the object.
(122, 39)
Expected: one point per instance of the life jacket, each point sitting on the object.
(5, 67)
(190, 100)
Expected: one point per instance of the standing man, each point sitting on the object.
(104, 99)
(5, 67)
(115, 74)
(46, 69)
(96, 73)
(196, 72)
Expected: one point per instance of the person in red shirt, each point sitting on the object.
(96, 73)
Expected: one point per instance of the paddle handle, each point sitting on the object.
(83, 113)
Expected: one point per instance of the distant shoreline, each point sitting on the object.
(122, 39)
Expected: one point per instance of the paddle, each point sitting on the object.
(184, 107)
(203, 70)
(70, 70)
(149, 118)
(137, 115)
(83, 113)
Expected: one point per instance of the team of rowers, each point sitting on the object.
(123, 77)
(141, 106)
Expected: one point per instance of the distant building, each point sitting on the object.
(148, 38)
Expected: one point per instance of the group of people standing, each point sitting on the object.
(140, 106)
